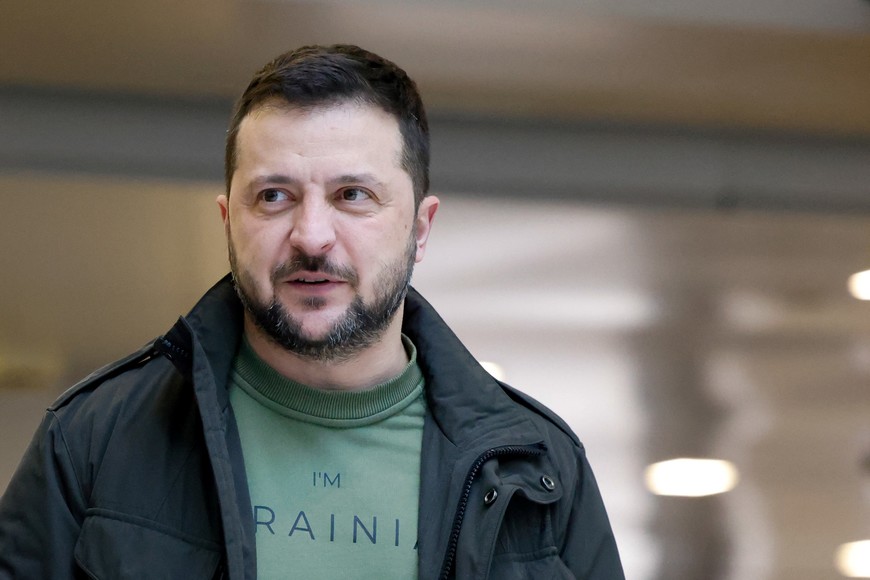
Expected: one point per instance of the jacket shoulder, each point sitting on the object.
(541, 411)
(101, 375)
(128, 400)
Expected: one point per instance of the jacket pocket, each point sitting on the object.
(542, 565)
(508, 527)
(119, 546)
(525, 545)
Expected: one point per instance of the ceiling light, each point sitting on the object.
(853, 559)
(859, 285)
(691, 477)
(495, 369)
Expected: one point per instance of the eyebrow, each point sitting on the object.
(274, 178)
(364, 178)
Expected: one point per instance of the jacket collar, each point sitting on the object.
(465, 401)
(213, 325)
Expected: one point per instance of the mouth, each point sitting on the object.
(313, 280)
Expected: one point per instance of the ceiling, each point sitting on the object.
(782, 65)
(657, 330)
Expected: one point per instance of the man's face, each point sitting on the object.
(321, 226)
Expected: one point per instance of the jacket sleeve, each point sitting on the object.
(41, 511)
(589, 549)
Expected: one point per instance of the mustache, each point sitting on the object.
(304, 263)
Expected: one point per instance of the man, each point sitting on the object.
(312, 416)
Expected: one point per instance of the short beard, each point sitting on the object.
(361, 325)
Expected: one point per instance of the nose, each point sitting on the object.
(313, 230)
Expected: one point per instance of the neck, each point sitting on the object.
(372, 366)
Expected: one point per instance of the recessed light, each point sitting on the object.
(495, 369)
(688, 477)
(859, 285)
(853, 559)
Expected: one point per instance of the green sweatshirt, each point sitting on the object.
(334, 476)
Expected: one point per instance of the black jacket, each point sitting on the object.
(137, 471)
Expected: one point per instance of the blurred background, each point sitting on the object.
(650, 214)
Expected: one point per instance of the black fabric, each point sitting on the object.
(141, 463)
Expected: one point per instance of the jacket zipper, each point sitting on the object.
(452, 543)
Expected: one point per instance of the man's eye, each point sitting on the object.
(354, 194)
(273, 195)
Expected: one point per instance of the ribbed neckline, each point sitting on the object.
(330, 408)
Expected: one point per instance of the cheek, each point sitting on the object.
(258, 247)
(378, 244)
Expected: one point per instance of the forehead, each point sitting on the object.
(347, 128)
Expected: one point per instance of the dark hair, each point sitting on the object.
(315, 76)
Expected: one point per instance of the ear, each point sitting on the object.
(423, 223)
(224, 204)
